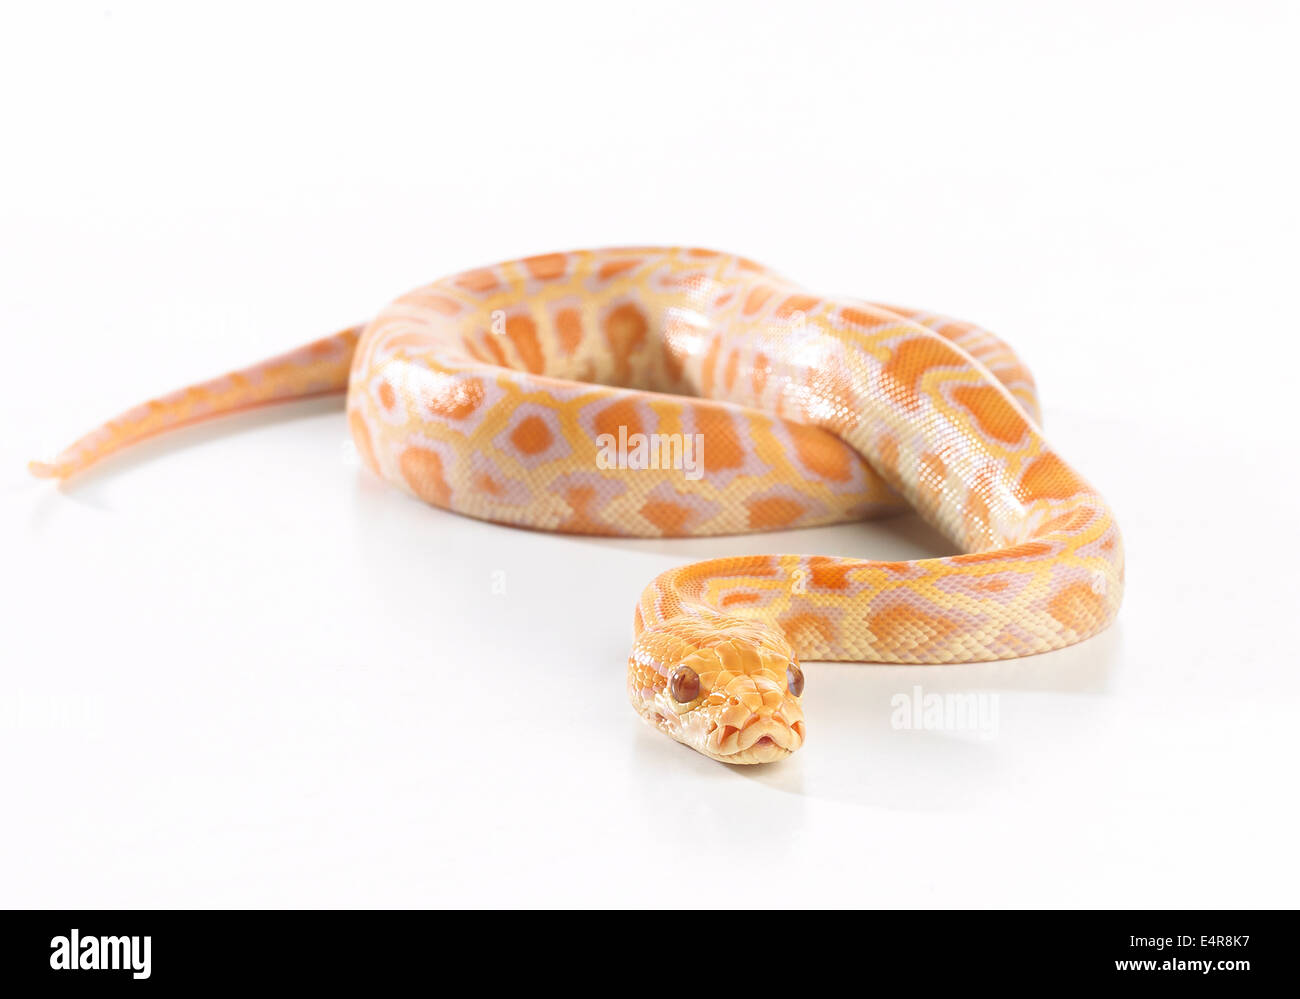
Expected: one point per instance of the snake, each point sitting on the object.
(656, 391)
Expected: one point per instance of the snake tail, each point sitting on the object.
(318, 368)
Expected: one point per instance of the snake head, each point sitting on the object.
(731, 692)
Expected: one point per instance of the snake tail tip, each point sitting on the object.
(45, 470)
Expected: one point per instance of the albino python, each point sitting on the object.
(668, 392)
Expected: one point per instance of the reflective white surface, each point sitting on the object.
(239, 671)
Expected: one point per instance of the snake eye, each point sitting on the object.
(684, 684)
(794, 679)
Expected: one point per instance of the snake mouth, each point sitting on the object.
(762, 739)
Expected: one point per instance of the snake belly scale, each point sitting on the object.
(500, 392)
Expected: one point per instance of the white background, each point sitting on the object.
(239, 671)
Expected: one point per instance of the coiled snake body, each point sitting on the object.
(670, 392)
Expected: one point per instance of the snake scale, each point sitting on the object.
(668, 391)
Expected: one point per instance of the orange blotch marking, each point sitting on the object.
(995, 414)
(493, 344)
(479, 280)
(522, 332)
(422, 470)
(828, 573)
(568, 330)
(1048, 477)
(546, 267)
(670, 518)
(761, 372)
(531, 435)
(724, 298)
(486, 484)
(625, 328)
(910, 361)
(796, 303)
(386, 395)
(821, 453)
(907, 628)
(756, 299)
(623, 413)
(613, 268)
(722, 449)
(773, 512)
(582, 520)
(992, 585)
(859, 317)
(1077, 607)
(741, 597)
